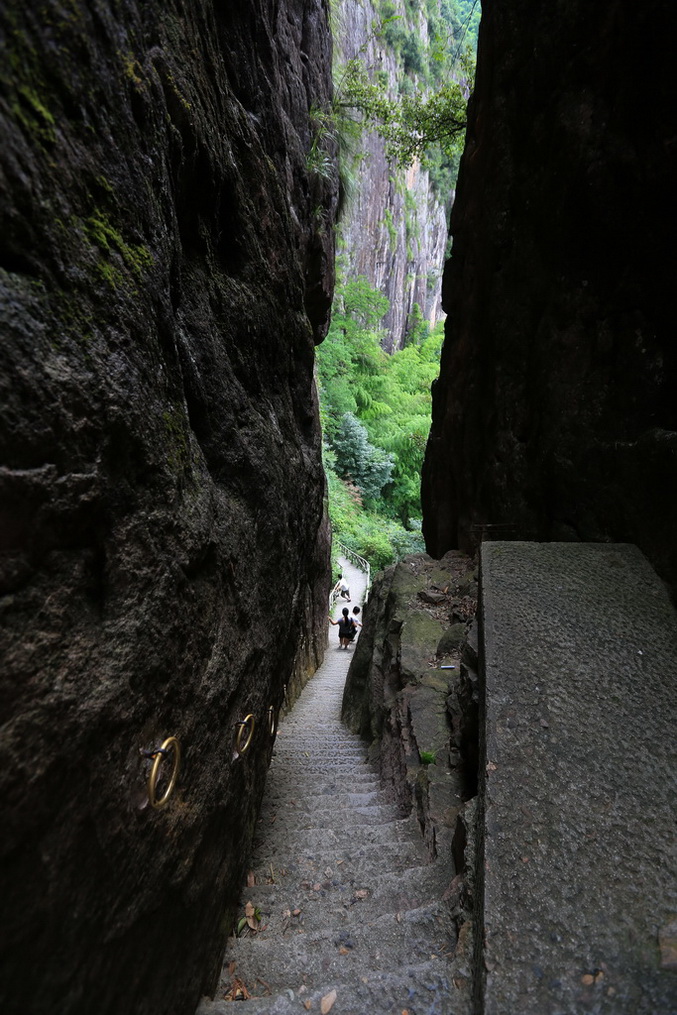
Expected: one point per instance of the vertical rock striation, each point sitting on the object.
(393, 229)
(555, 416)
(166, 266)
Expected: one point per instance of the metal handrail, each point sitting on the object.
(333, 595)
(359, 562)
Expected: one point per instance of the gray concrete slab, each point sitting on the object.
(578, 871)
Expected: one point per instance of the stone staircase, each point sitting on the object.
(352, 912)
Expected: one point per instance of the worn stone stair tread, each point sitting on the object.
(326, 801)
(342, 912)
(339, 865)
(323, 780)
(317, 774)
(332, 842)
(410, 937)
(425, 988)
(357, 816)
(393, 892)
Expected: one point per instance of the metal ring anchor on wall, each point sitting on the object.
(245, 732)
(171, 743)
(272, 721)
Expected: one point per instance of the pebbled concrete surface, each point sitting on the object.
(578, 788)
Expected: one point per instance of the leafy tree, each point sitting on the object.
(368, 466)
(414, 123)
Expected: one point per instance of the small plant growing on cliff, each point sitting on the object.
(427, 757)
(412, 125)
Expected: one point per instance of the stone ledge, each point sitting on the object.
(577, 780)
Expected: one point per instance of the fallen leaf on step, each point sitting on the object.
(491, 767)
(238, 991)
(251, 879)
(296, 912)
(308, 1004)
(343, 950)
(327, 1002)
(252, 916)
(361, 893)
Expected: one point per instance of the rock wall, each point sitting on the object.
(393, 229)
(555, 416)
(400, 700)
(421, 720)
(166, 265)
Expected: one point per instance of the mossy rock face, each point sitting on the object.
(451, 640)
(164, 277)
(397, 695)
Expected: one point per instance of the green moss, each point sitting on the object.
(31, 112)
(132, 69)
(100, 231)
(110, 274)
(104, 184)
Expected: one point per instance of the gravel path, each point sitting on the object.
(351, 917)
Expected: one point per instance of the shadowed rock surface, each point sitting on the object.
(165, 269)
(555, 416)
(577, 802)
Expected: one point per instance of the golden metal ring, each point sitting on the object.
(248, 721)
(272, 724)
(169, 743)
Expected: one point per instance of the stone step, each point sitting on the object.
(340, 865)
(293, 768)
(319, 817)
(304, 799)
(325, 773)
(325, 750)
(291, 903)
(427, 988)
(325, 783)
(386, 892)
(328, 840)
(295, 955)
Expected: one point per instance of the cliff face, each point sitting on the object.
(556, 410)
(393, 230)
(165, 268)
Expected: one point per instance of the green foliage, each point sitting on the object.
(367, 466)
(412, 124)
(375, 412)
(425, 120)
(379, 539)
